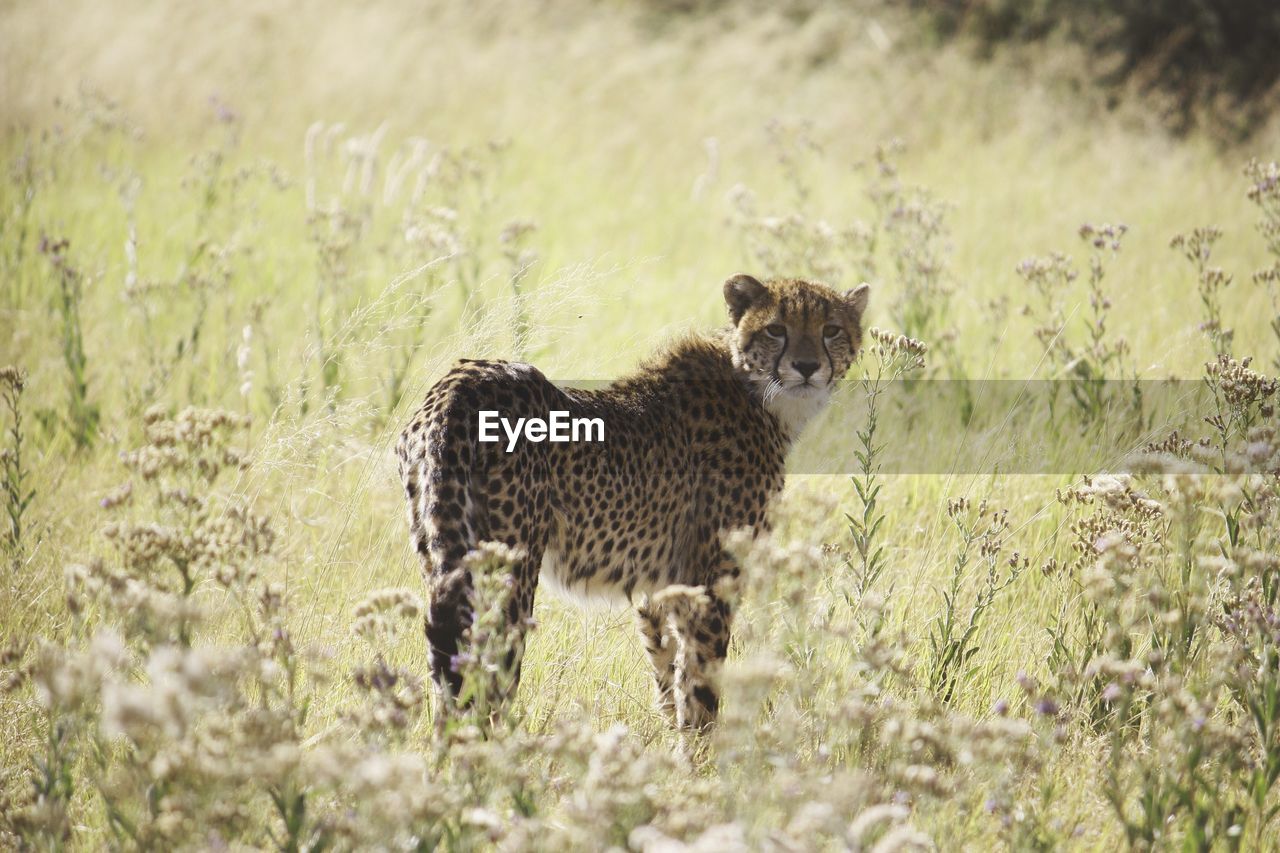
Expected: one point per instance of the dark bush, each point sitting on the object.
(1206, 55)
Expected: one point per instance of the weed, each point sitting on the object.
(953, 635)
(18, 492)
(1264, 192)
(1197, 248)
(1084, 353)
(236, 657)
(82, 416)
(893, 357)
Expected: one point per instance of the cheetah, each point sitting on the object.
(694, 446)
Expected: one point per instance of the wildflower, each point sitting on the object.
(378, 615)
(898, 348)
(1240, 385)
(12, 376)
(1265, 181)
(1103, 236)
(117, 496)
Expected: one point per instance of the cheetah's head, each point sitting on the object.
(793, 339)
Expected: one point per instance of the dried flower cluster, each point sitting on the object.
(1197, 248)
(1085, 354)
(217, 676)
(893, 348)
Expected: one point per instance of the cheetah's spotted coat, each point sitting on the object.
(695, 444)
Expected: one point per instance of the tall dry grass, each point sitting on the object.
(267, 229)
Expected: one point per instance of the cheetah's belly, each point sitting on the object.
(593, 589)
(603, 569)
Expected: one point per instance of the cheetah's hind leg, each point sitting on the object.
(449, 616)
(476, 626)
(697, 630)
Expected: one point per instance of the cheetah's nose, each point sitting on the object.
(805, 368)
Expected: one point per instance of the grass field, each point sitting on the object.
(295, 217)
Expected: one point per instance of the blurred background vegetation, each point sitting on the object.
(1202, 60)
(1196, 62)
(303, 212)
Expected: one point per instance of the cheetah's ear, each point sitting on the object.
(741, 292)
(857, 297)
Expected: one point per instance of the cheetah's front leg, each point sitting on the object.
(695, 641)
(661, 647)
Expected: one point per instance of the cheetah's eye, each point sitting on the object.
(831, 331)
(776, 330)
